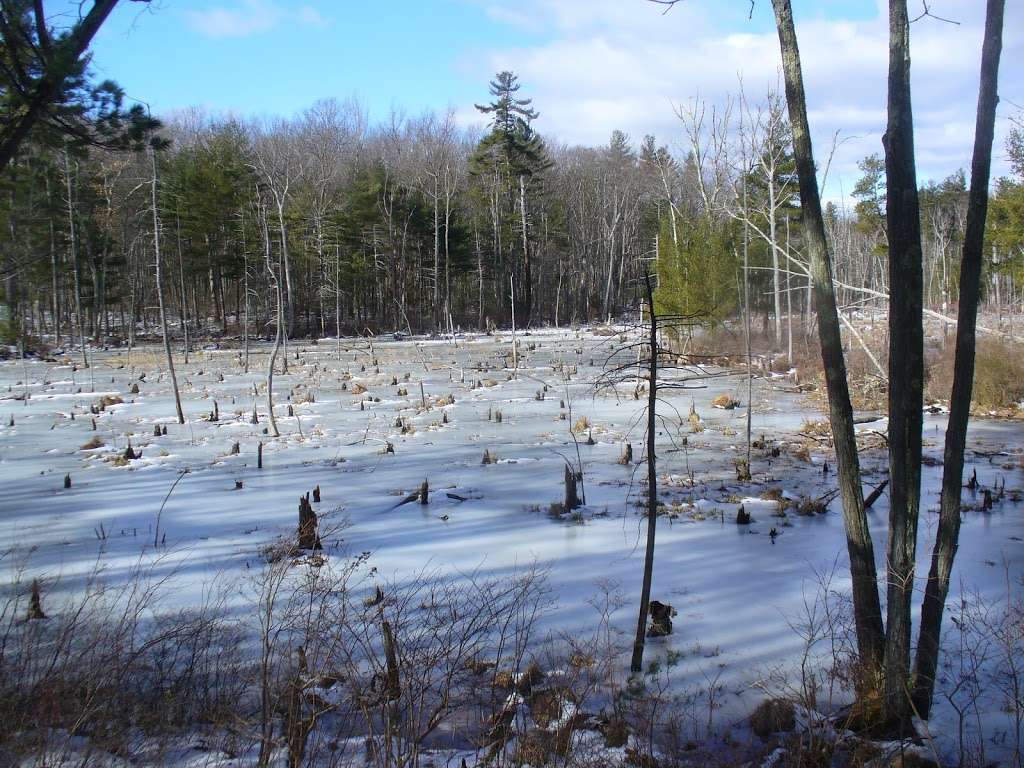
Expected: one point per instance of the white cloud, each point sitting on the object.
(250, 17)
(610, 64)
(310, 16)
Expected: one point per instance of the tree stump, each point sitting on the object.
(35, 603)
(316, 494)
(309, 537)
(742, 516)
(393, 688)
(660, 615)
(156, 430)
(627, 455)
(130, 454)
(67, 481)
(259, 456)
(424, 493)
(572, 501)
(235, 449)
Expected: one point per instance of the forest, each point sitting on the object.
(418, 225)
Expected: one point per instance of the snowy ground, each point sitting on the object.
(737, 590)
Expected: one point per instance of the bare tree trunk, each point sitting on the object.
(527, 269)
(279, 325)
(948, 532)
(160, 291)
(73, 245)
(866, 608)
(181, 283)
(636, 664)
(54, 273)
(906, 362)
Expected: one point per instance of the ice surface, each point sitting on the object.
(736, 589)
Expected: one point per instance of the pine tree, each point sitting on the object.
(513, 155)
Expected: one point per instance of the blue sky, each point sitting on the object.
(591, 65)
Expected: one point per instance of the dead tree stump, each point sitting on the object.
(572, 501)
(316, 494)
(67, 481)
(259, 456)
(424, 493)
(393, 689)
(309, 537)
(661, 618)
(627, 455)
(35, 603)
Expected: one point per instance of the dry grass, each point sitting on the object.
(998, 376)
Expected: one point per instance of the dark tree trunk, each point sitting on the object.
(948, 533)
(906, 362)
(866, 608)
(637, 661)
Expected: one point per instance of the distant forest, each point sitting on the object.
(417, 224)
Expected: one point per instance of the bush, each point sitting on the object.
(998, 374)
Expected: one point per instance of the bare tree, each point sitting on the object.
(160, 287)
(948, 533)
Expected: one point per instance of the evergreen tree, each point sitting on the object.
(512, 157)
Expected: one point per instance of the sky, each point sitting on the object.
(591, 66)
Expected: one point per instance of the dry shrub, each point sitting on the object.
(92, 443)
(998, 375)
(725, 402)
(773, 716)
(357, 389)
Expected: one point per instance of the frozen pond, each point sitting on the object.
(737, 590)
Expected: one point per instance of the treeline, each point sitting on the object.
(419, 225)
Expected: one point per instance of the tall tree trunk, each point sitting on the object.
(73, 245)
(527, 306)
(54, 269)
(275, 281)
(183, 306)
(866, 607)
(160, 291)
(906, 362)
(948, 533)
(636, 663)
